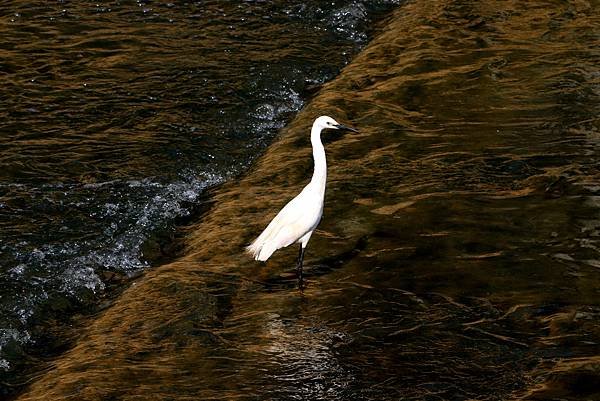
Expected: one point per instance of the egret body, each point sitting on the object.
(299, 218)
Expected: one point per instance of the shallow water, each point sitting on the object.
(116, 117)
(458, 254)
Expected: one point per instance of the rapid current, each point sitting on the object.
(144, 144)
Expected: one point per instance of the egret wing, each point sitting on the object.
(291, 223)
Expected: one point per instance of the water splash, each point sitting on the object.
(69, 272)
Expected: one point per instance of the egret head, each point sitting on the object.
(326, 122)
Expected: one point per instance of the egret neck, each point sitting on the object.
(319, 177)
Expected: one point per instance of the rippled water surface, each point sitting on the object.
(458, 256)
(116, 116)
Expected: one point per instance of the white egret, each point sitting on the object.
(299, 218)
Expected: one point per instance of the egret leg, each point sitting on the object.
(299, 268)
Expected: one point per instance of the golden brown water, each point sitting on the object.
(116, 118)
(458, 254)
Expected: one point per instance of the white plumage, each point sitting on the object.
(294, 223)
(298, 219)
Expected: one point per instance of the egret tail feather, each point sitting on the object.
(259, 251)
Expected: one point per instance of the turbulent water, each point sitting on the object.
(116, 116)
(458, 255)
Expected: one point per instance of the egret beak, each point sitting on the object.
(345, 128)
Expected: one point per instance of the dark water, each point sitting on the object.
(458, 254)
(116, 116)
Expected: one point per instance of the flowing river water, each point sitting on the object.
(116, 117)
(458, 256)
